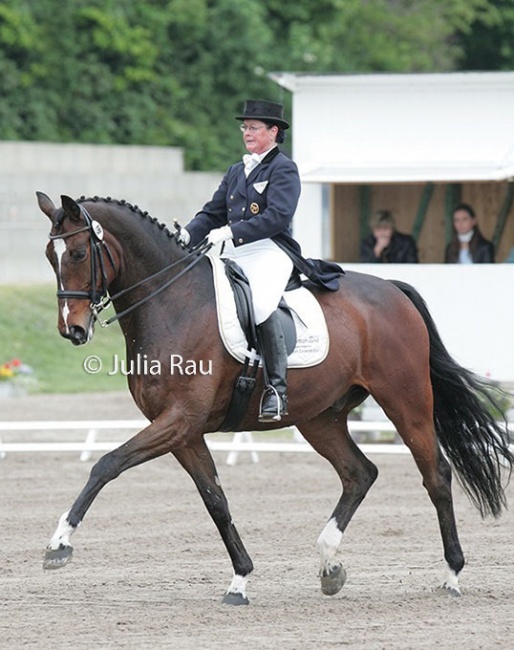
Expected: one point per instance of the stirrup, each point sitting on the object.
(281, 409)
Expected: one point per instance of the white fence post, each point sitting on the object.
(91, 437)
(242, 436)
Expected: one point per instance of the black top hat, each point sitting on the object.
(270, 112)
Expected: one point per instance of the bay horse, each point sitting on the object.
(383, 342)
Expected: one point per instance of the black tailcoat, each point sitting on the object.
(261, 207)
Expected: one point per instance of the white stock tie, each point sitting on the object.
(250, 162)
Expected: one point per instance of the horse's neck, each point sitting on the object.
(169, 312)
(144, 250)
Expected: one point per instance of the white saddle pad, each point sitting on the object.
(312, 339)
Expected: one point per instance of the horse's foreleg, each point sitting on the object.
(329, 435)
(152, 442)
(198, 462)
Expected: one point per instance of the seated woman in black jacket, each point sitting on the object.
(468, 245)
(386, 244)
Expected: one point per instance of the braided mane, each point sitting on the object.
(133, 208)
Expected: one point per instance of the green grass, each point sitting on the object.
(28, 331)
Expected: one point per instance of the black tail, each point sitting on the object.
(475, 443)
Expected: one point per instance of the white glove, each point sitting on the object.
(184, 237)
(219, 234)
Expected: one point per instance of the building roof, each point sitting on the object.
(398, 128)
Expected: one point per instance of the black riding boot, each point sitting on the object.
(273, 346)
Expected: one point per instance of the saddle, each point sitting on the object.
(245, 383)
(302, 319)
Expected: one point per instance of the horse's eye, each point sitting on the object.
(79, 254)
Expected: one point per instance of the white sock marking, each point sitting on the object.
(62, 533)
(452, 580)
(328, 542)
(238, 585)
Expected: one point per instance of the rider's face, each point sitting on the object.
(259, 137)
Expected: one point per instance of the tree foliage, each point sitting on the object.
(488, 42)
(175, 72)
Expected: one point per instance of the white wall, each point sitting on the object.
(151, 177)
(403, 128)
(472, 306)
(307, 222)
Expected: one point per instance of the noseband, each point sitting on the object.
(100, 300)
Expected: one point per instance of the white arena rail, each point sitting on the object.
(242, 441)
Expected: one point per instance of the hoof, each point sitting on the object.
(55, 559)
(235, 599)
(332, 581)
(450, 590)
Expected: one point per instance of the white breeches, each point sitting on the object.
(268, 270)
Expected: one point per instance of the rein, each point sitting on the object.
(102, 300)
(197, 253)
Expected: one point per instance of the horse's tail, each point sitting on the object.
(475, 443)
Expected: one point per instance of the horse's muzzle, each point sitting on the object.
(77, 335)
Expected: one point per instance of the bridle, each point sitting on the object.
(97, 262)
(100, 300)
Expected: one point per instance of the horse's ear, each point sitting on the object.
(71, 208)
(46, 205)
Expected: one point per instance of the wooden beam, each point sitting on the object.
(503, 215)
(365, 210)
(452, 198)
(421, 214)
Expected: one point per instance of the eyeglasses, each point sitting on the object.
(253, 129)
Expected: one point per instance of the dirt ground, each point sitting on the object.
(150, 570)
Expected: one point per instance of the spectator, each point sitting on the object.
(468, 245)
(385, 244)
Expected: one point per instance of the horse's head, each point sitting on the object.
(83, 264)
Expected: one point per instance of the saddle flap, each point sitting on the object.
(244, 307)
(312, 340)
(243, 299)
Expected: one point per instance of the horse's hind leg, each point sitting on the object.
(437, 479)
(438, 485)
(329, 436)
(413, 419)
